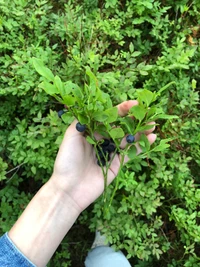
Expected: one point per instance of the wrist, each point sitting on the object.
(62, 196)
(66, 193)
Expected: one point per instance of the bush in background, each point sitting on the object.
(129, 45)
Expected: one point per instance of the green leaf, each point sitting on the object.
(132, 152)
(69, 86)
(146, 96)
(145, 127)
(129, 124)
(100, 116)
(153, 111)
(194, 84)
(68, 118)
(164, 88)
(59, 85)
(112, 114)
(138, 112)
(144, 143)
(162, 146)
(77, 92)
(69, 100)
(143, 72)
(49, 88)
(164, 117)
(136, 54)
(59, 99)
(42, 70)
(33, 169)
(90, 140)
(131, 47)
(93, 79)
(83, 119)
(116, 133)
(105, 98)
(102, 130)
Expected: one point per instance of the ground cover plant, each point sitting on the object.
(128, 47)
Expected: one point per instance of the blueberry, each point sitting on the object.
(106, 142)
(80, 127)
(130, 138)
(60, 113)
(101, 154)
(111, 148)
(102, 162)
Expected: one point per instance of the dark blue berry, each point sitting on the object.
(130, 138)
(101, 154)
(106, 142)
(60, 113)
(111, 148)
(102, 162)
(80, 127)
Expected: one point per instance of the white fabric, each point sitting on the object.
(106, 257)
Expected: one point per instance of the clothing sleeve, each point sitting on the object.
(10, 256)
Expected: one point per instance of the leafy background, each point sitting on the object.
(129, 45)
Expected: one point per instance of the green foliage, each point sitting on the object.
(3, 167)
(133, 49)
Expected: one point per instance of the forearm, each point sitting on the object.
(43, 224)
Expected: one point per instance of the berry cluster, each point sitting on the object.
(104, 151)
(106, 147)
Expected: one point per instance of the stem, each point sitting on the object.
(138, 125)
(117, 180)
(106, 176)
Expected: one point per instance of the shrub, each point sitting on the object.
(128, 45)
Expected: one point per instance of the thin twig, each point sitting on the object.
(17, 169)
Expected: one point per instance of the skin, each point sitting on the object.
(76, 182)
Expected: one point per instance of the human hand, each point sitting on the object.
(76, 172)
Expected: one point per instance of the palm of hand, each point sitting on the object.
(76, 169)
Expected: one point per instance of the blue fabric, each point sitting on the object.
(10, 256)
(103, 256)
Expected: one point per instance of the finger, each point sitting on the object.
(98, 136)
(151, 138)
(125, 106)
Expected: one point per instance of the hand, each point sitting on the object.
(76, 171)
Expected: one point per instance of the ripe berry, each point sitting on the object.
(60, 113)
(110, 148)
(130, 138)
(80, 127)
(101, 154)
(106, 142)
(101, 163)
